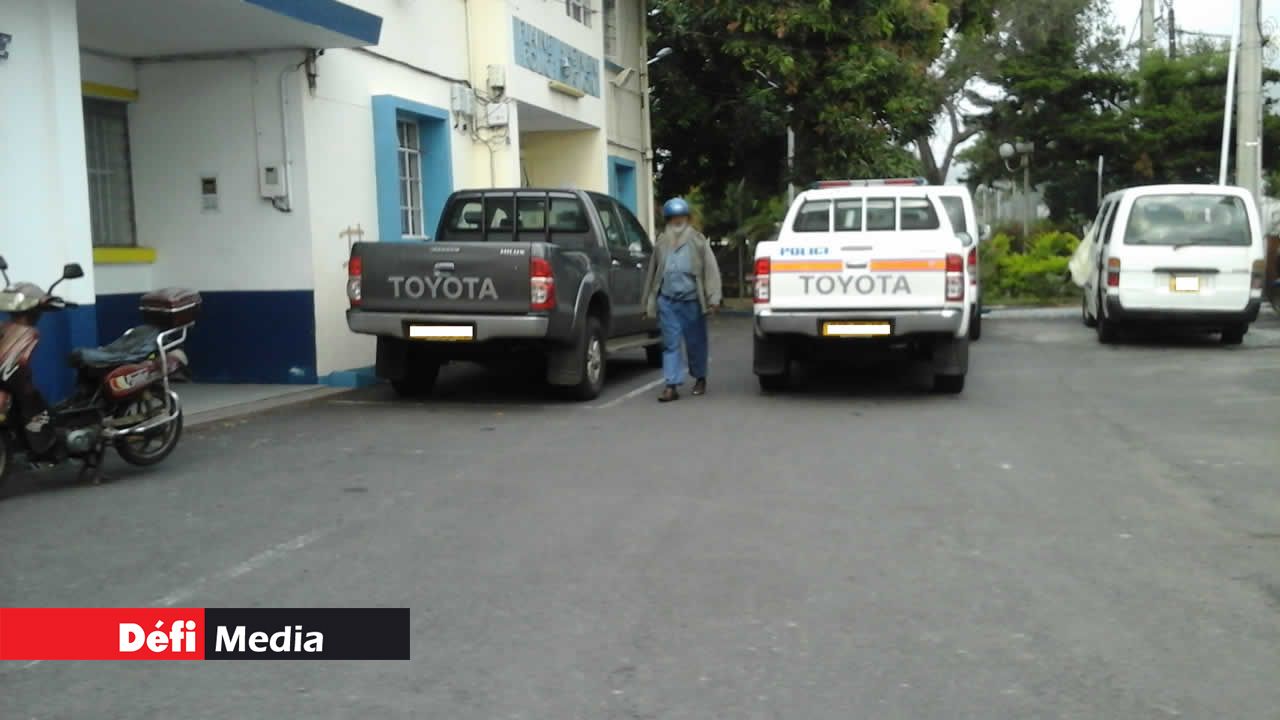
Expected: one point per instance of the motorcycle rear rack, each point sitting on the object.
(166, 341)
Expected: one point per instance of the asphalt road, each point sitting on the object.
(1086, 532)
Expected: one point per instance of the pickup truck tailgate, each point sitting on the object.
(441, 277)
(871, 271)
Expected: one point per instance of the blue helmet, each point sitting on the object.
(676, 207)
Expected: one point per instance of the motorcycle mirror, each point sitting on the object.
(3, 264)
(72, 271)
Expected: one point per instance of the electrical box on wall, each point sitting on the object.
(462, 101)
(497, 79)
(208, 193)
(497, 115)
(271, 181)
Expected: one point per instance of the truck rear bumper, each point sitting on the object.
(487, 327)
(1184, 318)
(937, 321)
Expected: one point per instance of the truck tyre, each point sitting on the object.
(593, 362)
(653, 355)
(774, 383)
(1234, 335)
(975, 323)
(1108, 333)
(948, 384)
(6, 455)
(419, 379)
(1088, 320)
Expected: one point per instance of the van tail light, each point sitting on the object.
(1113, 272)
(955, 277)
(762, 280)
(973, 267)
(355, 266)
(1258, 274)
(542, 285)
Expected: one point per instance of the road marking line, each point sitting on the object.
(243, 568)
(638, 391)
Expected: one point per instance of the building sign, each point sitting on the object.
(4, 45)
(547, 56)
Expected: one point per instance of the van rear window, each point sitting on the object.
(1188, 220)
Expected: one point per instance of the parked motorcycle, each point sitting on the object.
(122, 395)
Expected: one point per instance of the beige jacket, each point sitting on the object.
(706, 271)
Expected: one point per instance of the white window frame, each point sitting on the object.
(109, 177)
(579, 10)
(409, 171)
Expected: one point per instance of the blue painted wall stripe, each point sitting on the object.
(437, 162)
(330, 15)
(265, 336)
(60, 333)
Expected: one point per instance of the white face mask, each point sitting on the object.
(677, 224)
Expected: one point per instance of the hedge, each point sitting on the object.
(1038, 271)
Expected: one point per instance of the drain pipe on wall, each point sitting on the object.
(284, 140)
(646, 145)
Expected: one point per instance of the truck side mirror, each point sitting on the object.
(984, 233)
(965, 238)
(3, 264)
(72, 271)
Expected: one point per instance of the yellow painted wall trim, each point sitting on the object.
(565, 89)
(108, 92)
(124, 255)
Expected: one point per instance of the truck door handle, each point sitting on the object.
(444, 267)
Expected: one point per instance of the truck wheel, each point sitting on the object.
(1108, 333)
(653, 355)
(774, 383)
(418, 379)
(1233, 335)
(593, 362)
(1088, 320)
(948, 384)
(975, 323)
(6, 455)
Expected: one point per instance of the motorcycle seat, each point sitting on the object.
(133, 346)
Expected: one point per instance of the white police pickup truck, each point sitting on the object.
(864, 267)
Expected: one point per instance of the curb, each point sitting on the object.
(254, 407)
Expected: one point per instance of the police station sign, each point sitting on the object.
(544, 54)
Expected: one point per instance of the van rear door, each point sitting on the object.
(1189, 251)
(874, 251)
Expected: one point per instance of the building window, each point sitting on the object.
(611, 29)
(410, 151)
(579, 10)
(106, 144)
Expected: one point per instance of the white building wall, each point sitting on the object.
(44, 198)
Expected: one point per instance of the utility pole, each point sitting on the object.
(1173, 35)
(1148, 25)
(1249, 100)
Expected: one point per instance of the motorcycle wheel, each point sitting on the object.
(6, 456)
(152, 447)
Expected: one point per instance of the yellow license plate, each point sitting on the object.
(1185, 284)
(856, 329)
(442, 333)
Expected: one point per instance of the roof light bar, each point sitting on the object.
(876, 182)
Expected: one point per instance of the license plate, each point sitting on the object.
(856, 329)
(442, 333)
(1185, 283)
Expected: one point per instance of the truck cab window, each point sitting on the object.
(614, 235)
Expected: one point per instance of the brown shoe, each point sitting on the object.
(700, 387)
(669, 395)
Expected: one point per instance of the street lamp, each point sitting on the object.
(1022, 151)
(659, 55)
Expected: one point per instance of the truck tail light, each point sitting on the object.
(355, 266)
(1259, 272)
(973, 267)
(1113, 272)
(762, 280)
(955, 277)
(542, 285)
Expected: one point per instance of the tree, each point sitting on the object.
(849, 76)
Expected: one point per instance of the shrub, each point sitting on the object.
(1039, 272)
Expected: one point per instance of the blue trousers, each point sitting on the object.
(682, 320)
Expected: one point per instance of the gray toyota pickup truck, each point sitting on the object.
(531, 275)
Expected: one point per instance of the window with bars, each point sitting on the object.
(611, 29)
(579, 10)
(106, 144)
(410, 157)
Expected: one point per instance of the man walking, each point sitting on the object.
(682, 287)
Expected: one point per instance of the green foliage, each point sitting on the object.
(851, 80)
(1039, 272)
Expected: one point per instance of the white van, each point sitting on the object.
(1185, 255)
